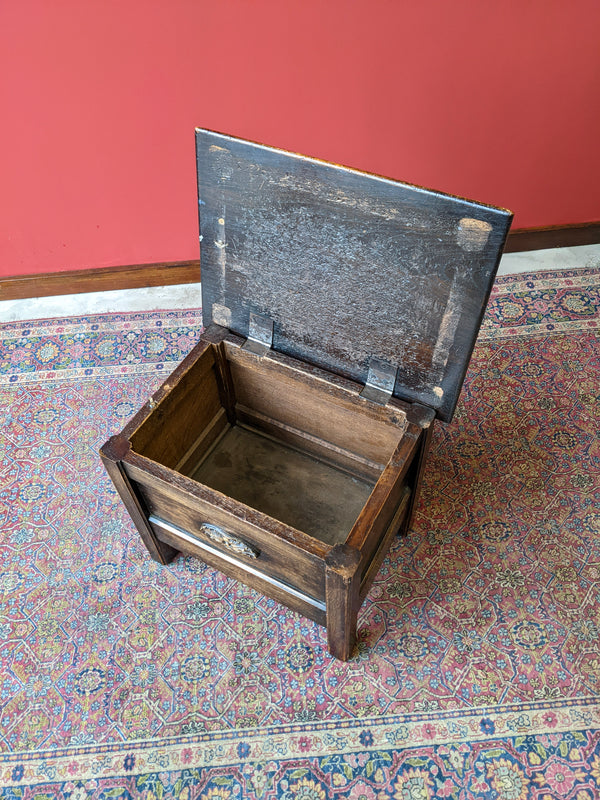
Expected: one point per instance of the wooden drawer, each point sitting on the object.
(236, 558)
(277, 551)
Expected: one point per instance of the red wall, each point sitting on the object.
(496, 101)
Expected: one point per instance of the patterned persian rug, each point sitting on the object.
(478, 669)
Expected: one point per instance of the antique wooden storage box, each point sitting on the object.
(341, 310)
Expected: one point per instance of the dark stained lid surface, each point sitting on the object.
(348, 265)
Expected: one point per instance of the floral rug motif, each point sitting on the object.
(478, 667)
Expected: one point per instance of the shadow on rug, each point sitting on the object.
(478, 667)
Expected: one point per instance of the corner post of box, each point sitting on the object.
(112, 454)
(424, 417)
(342, 589)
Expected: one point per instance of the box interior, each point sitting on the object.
(283, 482)
(273, 437)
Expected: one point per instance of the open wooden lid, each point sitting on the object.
(350, 267)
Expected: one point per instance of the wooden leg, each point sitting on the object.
(112, 454)
(342, 588)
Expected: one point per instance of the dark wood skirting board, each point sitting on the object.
(176, 272)
(98, 280)
(522, 239)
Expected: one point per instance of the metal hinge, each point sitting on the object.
(260, 334)
(381, 380)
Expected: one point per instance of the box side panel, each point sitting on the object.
(189, 413)
(346, 421)
(284, 560)
(376, 517)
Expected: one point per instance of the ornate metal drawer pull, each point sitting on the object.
(219, 536)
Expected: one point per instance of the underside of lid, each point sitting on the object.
(351, 268)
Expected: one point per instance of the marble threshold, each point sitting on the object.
(189, 295)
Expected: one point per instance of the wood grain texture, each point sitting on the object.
(276, 554)
(101, 279)
(276, 456)
(184, 412)
(372, 565)
(285, 482)
(163, 391)
(381, 506)
(189, 504)
(348, 266)
(292, 398)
